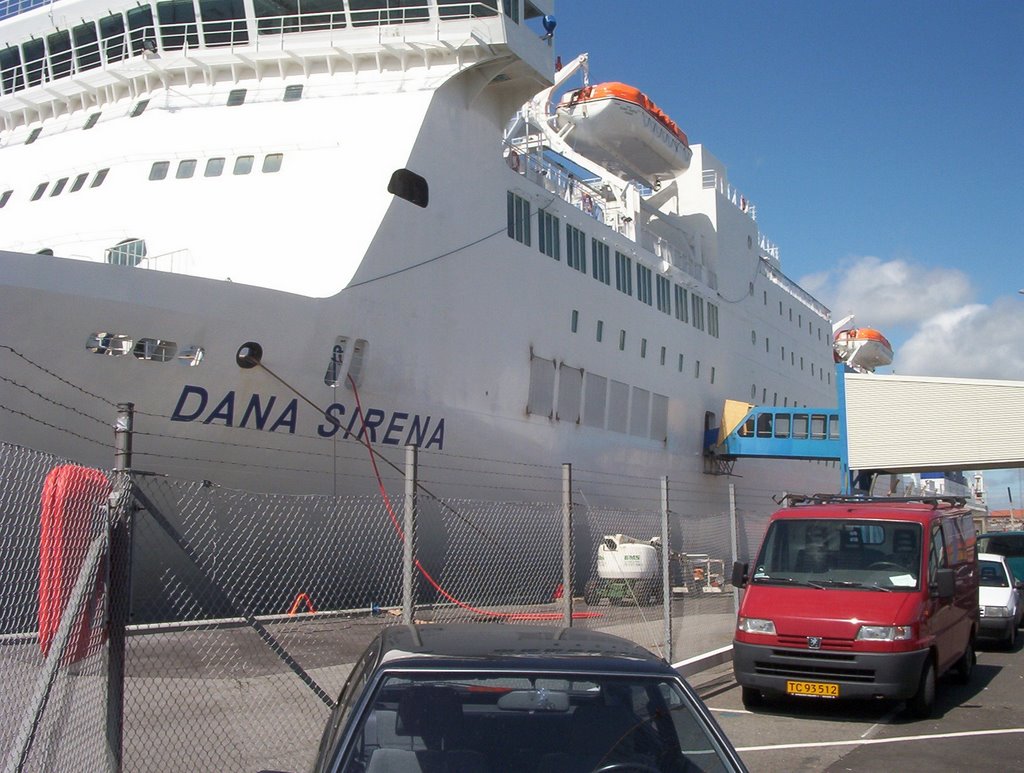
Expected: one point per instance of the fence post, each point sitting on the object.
(666, 579)
(120, 573)
(567, 546)
(409, 532)
(734, 544)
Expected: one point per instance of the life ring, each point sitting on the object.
(588, 204)
(513, 161)
(71, 499)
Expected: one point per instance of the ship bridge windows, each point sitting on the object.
(600, 255)
(623, 273)
(59, 44)
(112, 37)
(518, 218)
(549, 239)
(223, 22)
(4, 198)
(272, 162)
(372, 13)
(140, 28)
(214, 167)
(101, 175)
(456, 9)
(33, 54)
(186, 168)
(575, 248)
(664, 293)
(79, 182)
(243, 165)
(643, 284)
(11, 77)
(282, 16)
(159, 170)
(58, 186)
(128, 252)
(408, 185)
(39, 191)
(682, 313)
(697, 311)
(177, 24)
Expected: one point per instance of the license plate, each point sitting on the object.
(813, 689)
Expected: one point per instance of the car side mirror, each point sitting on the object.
(945, 584)
(1018, 584)
(739, 574)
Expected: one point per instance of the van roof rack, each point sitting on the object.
(793, 500)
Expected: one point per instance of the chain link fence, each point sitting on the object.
(247, 610)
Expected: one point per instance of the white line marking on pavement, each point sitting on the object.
(864, 742)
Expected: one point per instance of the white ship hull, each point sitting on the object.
(456, 317)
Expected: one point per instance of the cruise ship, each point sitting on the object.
(294, 232)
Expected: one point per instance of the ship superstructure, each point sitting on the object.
(382, 199)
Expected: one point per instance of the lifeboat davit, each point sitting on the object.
(862, 348)
(619, 127)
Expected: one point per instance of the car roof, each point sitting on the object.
(998, 558)
(496, 646)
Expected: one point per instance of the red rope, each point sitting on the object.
(422, 569)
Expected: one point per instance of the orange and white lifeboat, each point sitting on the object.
(621, 129)
(862, 348)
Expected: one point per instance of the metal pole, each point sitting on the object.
(120, 575)
(734, 543)
(567, 545)
(409, 532)
(666, 583)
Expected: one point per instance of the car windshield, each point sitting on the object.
(531, 722)
(992, 574)
(833, 553)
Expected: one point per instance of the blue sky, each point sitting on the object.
(882, 142)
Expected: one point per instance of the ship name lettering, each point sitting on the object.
(193, 400)
(421, 431)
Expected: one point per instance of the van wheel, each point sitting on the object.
(922, 704)
(965, 666)
(752, 698)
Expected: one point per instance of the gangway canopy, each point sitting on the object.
(926, 424)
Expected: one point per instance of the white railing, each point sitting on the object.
(788, 285)
(556, 179)
(712, 179)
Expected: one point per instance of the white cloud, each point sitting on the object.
(887, 293)
(968, 342)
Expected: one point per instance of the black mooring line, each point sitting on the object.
(268, 638)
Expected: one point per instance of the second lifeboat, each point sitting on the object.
(862, 348)
(619, 127)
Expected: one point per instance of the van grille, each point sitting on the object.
(800, 642)
(814, 665)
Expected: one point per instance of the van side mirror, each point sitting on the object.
(945, 584)
(739, 574)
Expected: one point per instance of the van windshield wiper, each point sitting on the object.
(853, 584)
(788, 581)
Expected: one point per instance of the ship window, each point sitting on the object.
(600, 330)
(623, 273)
(236, 97)
(91, 121)
(782, 425)
(518, 218)
(272, 162)
(664, 293)
(11, 77)
(540, 399)
(191, 356)
(549, 239)
(39, 191)
(680, 363)
(712, 374)
(409, 186)
(159, 170)
(58, 186)
(622, 340)
(575, 248)
(663, 353)
(59, 44)
(101, 175)
(570, 392)
(682, 314)
(293, 93)
(618, 406)
(4, 198)
(696, 368)
(138, 108)
(155, 350)
(112, 33)
(128, 252)
(367, 13)
(140, 24)
(575, 320)
(33, 135)
(697, 311)
(186, 168)
(114, 344)
(277, 16)
(712, 320)
(34, 55)
(214, 167)
(223, 22)
(79, 182)
(243, 165)
(600, 255)
(594, 400)
(643, 284)
(45, 251)
(643, 348)
(459, 9)
(87, 49)
(177, 24)
(512, 10)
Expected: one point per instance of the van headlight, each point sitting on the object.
(756, 625)
(885, 633)
(995, 612)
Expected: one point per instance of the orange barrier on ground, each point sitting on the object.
(298, 600)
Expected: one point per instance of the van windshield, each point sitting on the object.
(830, 552)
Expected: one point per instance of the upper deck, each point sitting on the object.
(68, 49)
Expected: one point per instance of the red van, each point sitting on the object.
(859, 598)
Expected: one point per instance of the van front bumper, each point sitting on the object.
(858, 674)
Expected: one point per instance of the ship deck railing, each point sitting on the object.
(138, 32)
